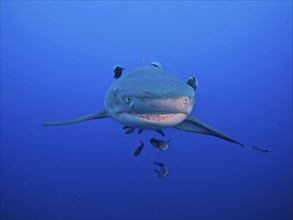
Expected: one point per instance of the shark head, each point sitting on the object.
(149, 98)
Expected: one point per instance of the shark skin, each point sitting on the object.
(152, 99)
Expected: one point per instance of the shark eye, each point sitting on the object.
(127, 99)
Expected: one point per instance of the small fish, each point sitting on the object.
(160, 144)
(118, 71)
(128, 130)
(139, 149)
(140, 130)
(261, 149)
(160, 131)
(163, 172)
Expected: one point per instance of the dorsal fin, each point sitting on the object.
(156, 64)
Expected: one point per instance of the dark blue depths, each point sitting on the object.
(57, 62)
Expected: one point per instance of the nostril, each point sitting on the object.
(185, 100)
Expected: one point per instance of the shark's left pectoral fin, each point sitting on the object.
(98, 115)
(192, 124)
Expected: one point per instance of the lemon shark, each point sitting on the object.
(151, 98)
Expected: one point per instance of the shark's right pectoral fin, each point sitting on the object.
(192, 124)
(98, 115)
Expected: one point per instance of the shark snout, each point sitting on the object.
(182, 103)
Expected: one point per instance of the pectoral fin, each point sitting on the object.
(192, 124)
(98, 115)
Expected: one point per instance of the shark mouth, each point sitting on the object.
(151, 121)
(154, 117)
(158, 117)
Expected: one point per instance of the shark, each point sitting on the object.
(150, 98)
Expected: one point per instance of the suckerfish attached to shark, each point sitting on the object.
(152, 99)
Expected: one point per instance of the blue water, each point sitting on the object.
(57, 62)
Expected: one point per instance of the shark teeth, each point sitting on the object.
(153, 117)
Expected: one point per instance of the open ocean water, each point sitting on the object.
(57, 60)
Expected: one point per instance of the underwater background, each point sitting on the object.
(57, 62)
